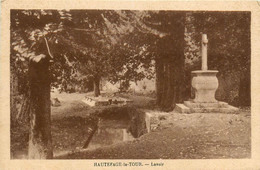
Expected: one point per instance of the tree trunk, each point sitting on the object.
(164, 85)
(170, 89)
(13, 102)
(179, 66)
(245, 90)
(96, 86)
(159, 80)
(170, 66)
(40, 141)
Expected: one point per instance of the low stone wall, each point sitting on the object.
(142, 121)
(138, 126)
(153, 119)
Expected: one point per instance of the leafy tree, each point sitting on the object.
(118, 49)
(169, 57)
(62, 45)
(24, 47)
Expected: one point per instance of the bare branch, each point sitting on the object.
(47, 45)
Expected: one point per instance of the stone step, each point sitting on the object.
(181, 108)
(191, 104)
(229, 109)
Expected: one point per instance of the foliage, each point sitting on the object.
(83, 44)
(229, 39)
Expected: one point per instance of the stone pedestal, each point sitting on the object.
(205, 84)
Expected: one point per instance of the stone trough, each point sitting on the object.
(105, 101)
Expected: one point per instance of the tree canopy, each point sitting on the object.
(84, 44)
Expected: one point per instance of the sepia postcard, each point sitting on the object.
(129, 84)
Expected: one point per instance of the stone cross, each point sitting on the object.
(204, 65)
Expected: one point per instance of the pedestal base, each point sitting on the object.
(215, 107)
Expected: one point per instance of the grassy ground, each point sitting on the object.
(179, 136)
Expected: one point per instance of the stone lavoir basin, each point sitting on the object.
(115, 125)
(66, 140)
(99, 128)
(110, 132)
